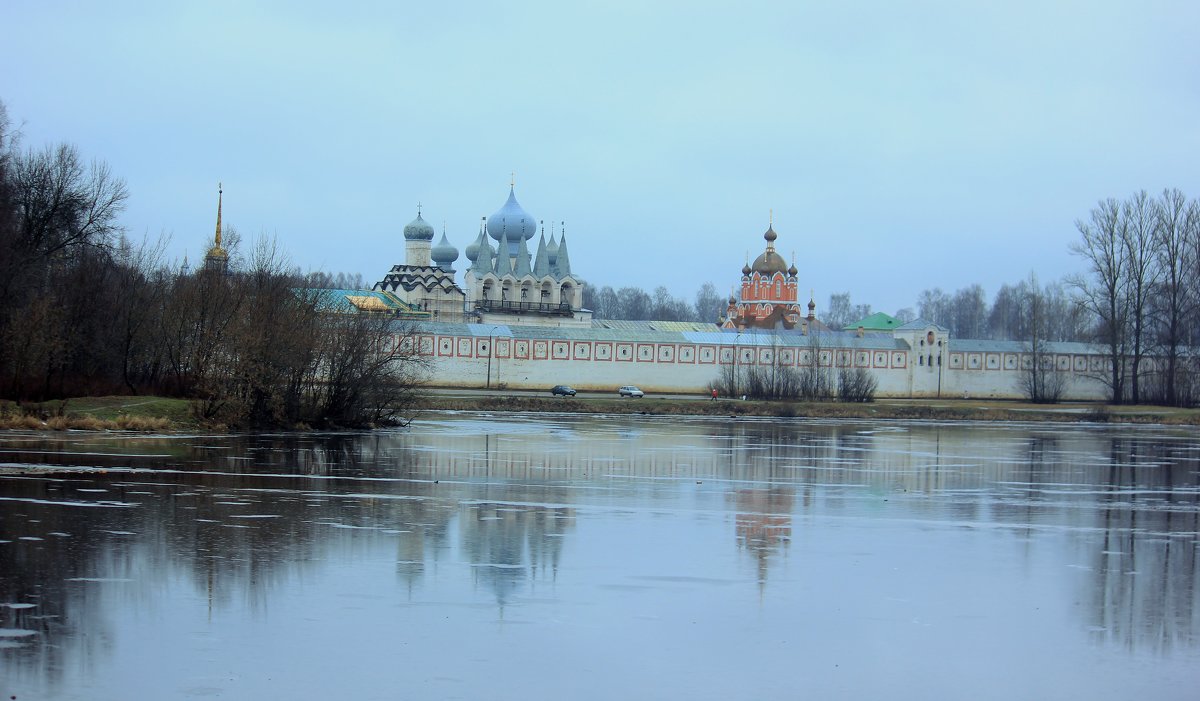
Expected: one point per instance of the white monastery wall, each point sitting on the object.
(460, 359)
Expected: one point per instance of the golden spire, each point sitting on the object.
(220, 193)
(217, 257)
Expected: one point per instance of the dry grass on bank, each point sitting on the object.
(892, 409)
(142, 414)
(159, 414)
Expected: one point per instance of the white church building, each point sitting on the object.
(504, 283)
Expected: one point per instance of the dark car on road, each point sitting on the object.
(562, 390)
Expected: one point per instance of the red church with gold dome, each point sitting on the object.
(769, 298)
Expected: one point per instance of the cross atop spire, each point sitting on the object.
(220, 195)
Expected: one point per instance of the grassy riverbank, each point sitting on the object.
(942, 410)
(167, 414)
(101, 414)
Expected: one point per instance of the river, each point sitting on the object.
(547, 556)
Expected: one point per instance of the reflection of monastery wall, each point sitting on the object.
(916, 360)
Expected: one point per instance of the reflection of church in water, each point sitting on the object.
(505, 283)
(764, 524)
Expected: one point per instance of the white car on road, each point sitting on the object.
(630, 391)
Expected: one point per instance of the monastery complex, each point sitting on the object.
(517, 321)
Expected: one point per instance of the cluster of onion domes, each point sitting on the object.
(511, 227)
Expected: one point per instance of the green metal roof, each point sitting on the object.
(345, 301)
(875, 322)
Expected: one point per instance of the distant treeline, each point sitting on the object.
(85, 311)
(635, 304)
(966, 313)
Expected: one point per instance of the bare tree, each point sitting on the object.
(857, 385)
(1102, 290)
(635, 304)
(58, 222)
(1007, 319)
(842, 311)
(607, 303)
(1138, 240)
(368, 368)
(935, 306)
(1174, 301)
(141, 286)
(63, 204)
(669, 308)
(710, 304)
(969, 313)
(1065, 319)
(816, 375)
(1041, 380)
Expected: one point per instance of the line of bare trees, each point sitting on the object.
(1142, 288)
(966, 313)
(85, 311)
(813, 379)
(635, 304)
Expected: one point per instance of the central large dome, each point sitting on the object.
(511, 222)
(770, 262)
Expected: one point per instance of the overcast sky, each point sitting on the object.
(901, 146)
